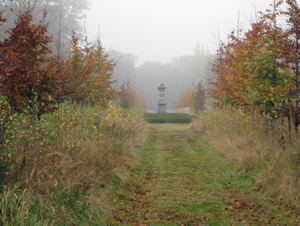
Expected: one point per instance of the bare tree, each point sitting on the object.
(60, 17)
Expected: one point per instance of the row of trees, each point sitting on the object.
(260, 67)
(32, 77)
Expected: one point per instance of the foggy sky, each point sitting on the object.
(158, 30)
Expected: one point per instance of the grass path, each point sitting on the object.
(181, 181)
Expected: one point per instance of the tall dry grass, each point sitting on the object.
(65, 166)
(254, 147)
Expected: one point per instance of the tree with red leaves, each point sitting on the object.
(199, 98)
(29, 76)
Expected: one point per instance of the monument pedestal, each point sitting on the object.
(162, 106)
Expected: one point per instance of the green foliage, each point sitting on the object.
(169, 118)
(5, 117)
(125, 104)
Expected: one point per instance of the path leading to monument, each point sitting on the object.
(181, 181)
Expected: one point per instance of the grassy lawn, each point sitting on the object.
(182, 181)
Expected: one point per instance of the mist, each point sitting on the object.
(156, 42)
(172, 42)
(159, 30)
(182, 73)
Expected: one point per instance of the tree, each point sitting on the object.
(29, 76)
(220, 85)
(77, 71)
(102, 70)
(251, 69)
(199, 98)
(2, 20)
(129, 97)
(261, 73)
(192, 98)
(88, 74)
(60, 17)
(186, 99)
(292, 53)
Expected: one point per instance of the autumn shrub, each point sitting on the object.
(64, 166)
(130, 98)
(255, 149)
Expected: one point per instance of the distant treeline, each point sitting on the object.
(182, 73)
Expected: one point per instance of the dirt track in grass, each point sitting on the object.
(181, 181)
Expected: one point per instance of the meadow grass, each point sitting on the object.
(263, 153)
(64, 168)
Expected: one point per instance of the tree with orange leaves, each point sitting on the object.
(77, 71)
(88, 74)
(221, 89)
(185, 99)
(193, 98)
(101, 77)
(252, 70)
(129, 97)
(261, 75)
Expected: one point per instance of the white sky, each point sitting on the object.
(158, 30)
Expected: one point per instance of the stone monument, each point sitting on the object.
(162, 105)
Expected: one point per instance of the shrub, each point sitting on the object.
(169, 118)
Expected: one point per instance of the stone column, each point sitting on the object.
(162, 105)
